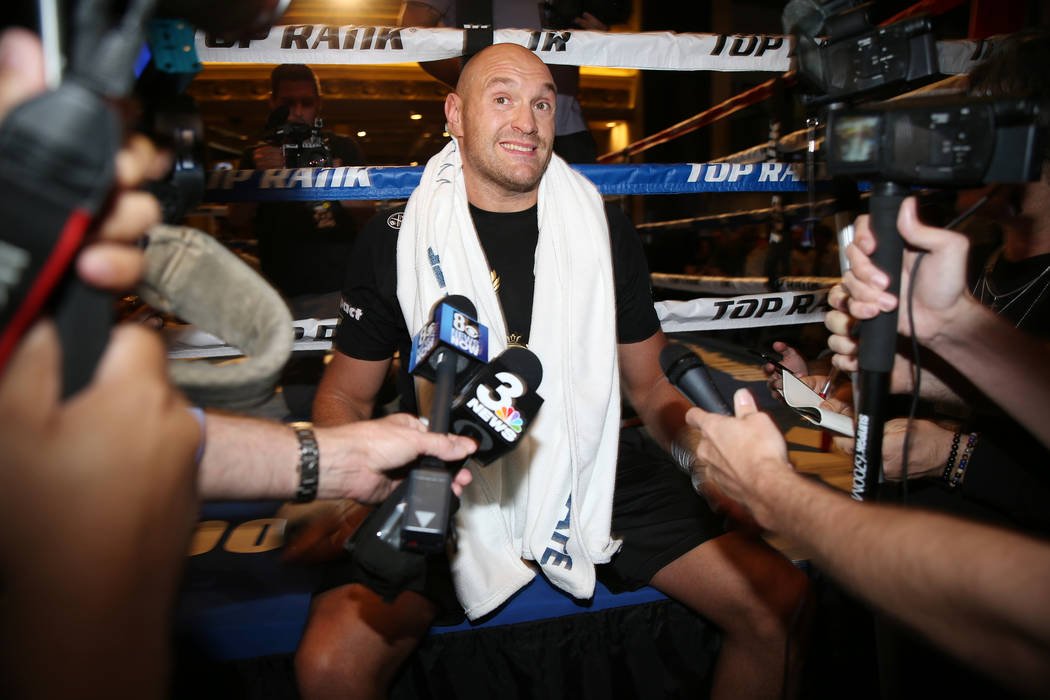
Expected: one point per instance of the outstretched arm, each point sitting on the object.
(417, 14)
(977, 591)
(248, 458)
(1002, 361)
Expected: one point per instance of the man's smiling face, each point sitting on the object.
(503, 115)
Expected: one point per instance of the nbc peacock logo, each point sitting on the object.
(510, 416)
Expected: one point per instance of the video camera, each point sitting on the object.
(931, 141)
(946, 142)
(954, 142)
(302, 145)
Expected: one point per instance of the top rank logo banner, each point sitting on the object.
(398, 182)
(750, 311)
(318, 44)
(350, 44)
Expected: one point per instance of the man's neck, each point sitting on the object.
(487, 197)
(1029, 234)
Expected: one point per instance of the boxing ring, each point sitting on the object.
(242, 610)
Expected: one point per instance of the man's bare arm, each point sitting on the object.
(416, 14)
(254, 459)
(661, 406)
(348, 390)
(977, 591)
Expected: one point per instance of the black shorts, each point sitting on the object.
(655, 512)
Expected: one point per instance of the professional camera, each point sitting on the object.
(956, 142)
(302, 145)
(854, 58)
(953, 142)
(941, 142)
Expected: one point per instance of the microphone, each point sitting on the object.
(447, 346)
(498, 403)
(687, 372)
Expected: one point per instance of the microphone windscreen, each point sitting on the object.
(524, 363)
(677, 359)
(686, 371)
(460, 303)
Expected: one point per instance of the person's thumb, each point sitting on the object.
(21, 68)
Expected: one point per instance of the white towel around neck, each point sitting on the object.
(516, 508)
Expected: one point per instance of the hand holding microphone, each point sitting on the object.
(687, 372)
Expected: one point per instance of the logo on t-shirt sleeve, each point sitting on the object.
(347, 311)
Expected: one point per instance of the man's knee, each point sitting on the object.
(781, 593)
(354, 640)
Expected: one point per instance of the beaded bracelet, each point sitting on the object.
(950, 464)
(964, 459)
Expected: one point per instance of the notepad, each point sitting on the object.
(806, 403)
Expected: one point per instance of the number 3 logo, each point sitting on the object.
(510, 389)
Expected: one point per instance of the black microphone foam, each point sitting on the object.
(525, 364)
(462, 303)
(687, 372)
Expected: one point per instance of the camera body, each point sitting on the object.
(302, 145)
(945, 142)
(857, 59)
(940, 142)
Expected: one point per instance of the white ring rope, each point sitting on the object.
(357, 45)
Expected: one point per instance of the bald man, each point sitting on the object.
(500, 220)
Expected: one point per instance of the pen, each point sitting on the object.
(827, 385)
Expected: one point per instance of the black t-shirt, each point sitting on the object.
(372, 327)
(304, 247)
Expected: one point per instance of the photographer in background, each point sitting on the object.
(304, 247)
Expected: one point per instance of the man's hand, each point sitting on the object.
(268, 158)
(98, 502)
(98, 493)
(928, 447)
(940, 291)
(109, 262)
(737, 454)
(590, 22)
(363, 460)
(791, 359)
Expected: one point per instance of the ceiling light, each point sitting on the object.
(362, 134)
(415, 116)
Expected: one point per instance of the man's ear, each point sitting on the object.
(454, 114)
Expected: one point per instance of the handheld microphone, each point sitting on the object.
(498, 404)
(447, 346)
(687, 372)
